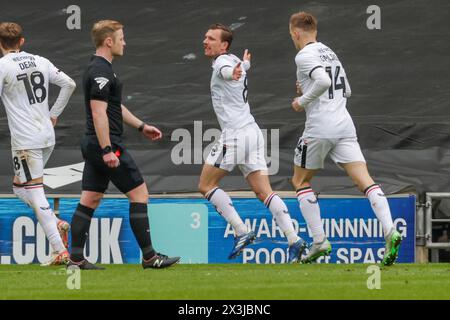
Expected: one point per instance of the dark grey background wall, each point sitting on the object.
(400, 77)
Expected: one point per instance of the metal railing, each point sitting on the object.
(429, 220)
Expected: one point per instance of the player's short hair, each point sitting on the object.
(303, 20)
(10, 35)
(103, 29)
(226, 34)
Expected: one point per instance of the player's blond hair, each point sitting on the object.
(303, 20)
(10, 35)
(103, 29)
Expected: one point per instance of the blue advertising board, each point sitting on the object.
(192, 229)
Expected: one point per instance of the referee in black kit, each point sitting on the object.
(106, 158)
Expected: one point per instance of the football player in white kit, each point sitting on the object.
(24, 87)
(241, 143)
(323, 89)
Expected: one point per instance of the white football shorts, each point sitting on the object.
(29, 164)
(310, 153)
(239, 147)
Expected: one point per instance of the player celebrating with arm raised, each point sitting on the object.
(24, 87)
(106, 158)
(241, 143)
(323, 90)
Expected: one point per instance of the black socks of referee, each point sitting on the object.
(141, 228)
(81, 221)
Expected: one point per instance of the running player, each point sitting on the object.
(323, 89)
(241, 143)
(24, 88)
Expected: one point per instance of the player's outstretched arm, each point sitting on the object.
(246, 60)
(231, 73)
(237, 70)
(150, 132)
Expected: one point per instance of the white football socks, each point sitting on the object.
(380, 206)
(21, 193)
(45, 215)
(310, 210)
(225, 208)
(281, 214)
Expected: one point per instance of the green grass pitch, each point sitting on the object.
(231, 281)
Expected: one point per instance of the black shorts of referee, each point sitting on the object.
(97, 175)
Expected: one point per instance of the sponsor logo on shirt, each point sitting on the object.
(101, 82)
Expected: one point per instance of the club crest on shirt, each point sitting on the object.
(101, 82)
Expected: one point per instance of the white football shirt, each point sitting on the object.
(327, 116)
(24, 88)
(229, 97)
